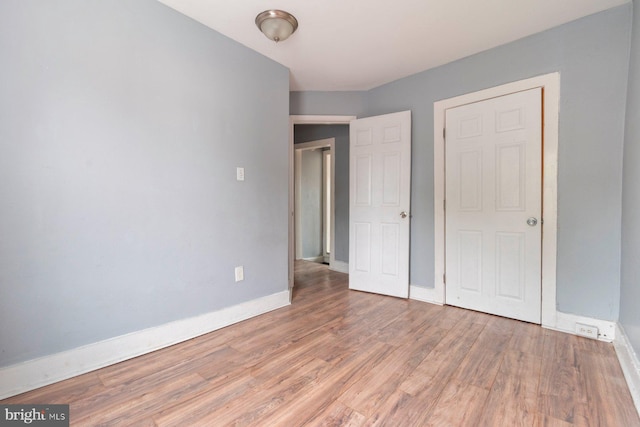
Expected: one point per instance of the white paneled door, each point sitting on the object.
(493, 153)
(380, 193)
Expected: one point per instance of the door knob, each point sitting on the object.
(403, 214)
(532, 222)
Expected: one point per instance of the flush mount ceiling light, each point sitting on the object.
(277, 25)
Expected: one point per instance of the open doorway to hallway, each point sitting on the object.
(319, 228)
(314, 200)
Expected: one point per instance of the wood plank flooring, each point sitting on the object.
(342, 358)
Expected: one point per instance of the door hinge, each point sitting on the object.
(444, 133)
(444, 205)
(444, 278)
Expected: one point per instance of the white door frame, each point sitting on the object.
(328, 204)
(303, 120)
(299, 148)
(550, 84)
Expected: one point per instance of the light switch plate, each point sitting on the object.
(239, 273)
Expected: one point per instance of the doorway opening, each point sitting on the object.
(314, 201)
(313, 120)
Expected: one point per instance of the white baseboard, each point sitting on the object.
(565, 322)
(32, 374)
(562, 322)
(424, 294)
(340, 266)
(629, 363)
(319, 259)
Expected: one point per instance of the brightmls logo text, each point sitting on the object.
(36, 415)
(27, 416)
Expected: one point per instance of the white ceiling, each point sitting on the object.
(361, 44)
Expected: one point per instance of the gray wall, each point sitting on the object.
(121, 124)
(311, 203)
(307, 133)
(326, 103)
(630, 286)
(592, 56)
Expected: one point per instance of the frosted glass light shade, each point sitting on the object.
(277, 25)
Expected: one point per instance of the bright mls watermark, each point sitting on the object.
(34, 415)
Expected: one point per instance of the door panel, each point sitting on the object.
(380, 175)
(362, 247)
(362, 185)
(470, 194)
(391, 179)
(493, 153)
(390, 239)
(510, 180)
(510, 269)
(470, 260)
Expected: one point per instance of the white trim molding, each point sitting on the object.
(565, 322)
(550, 84)
(429, 295)
(339, 266)
(629, 363)
(32, 374)
(320, 120)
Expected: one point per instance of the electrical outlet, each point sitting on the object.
(240, 174)
(239, 273)
(587, 331)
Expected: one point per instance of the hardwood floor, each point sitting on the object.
(342, 358)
